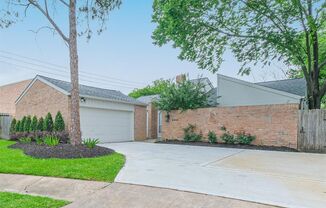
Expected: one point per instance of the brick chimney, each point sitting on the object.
(181, 77)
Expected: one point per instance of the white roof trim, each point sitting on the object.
(253, 85)
(111, 100)
(45, 82)
(67, 93)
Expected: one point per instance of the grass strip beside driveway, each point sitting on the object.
(103, 168)
(13, 200)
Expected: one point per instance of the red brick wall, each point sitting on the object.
(274, 125)
(41, 99)
(140, 123)
(9, 94)
(152, 121)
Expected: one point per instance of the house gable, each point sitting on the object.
(235, 92)
(8, 94)
(39, 98)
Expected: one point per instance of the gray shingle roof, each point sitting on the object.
(293, 86)
(148, 98)
(93, 91)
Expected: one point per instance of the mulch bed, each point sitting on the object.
(64, 151)
(253, 147)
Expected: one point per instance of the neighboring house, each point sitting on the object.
(234, 92)
(9, 94)
(107, 115)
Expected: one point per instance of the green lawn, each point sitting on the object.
(12, 200)
(103, 168)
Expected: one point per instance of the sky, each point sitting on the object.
(122, 58)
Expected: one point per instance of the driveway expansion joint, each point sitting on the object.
(223, 158)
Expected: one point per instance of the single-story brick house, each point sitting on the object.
(9, 94)
(232, 92)
(105, 114)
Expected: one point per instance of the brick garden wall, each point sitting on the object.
(274, 125)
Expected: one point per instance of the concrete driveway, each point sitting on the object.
(276, 178)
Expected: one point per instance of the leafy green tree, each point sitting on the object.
(182, 96)
(48, 123)
(27, 124)
(155, 88)
(17, 128)
(256, 31)
(40, 124)
(33, 127)
(13, 126)
(22, 124)
(81, 15)
(59, 124)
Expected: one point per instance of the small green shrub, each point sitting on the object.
(190, 135)
(27, 124)
(48, 123)
(228, 138)
(39, 140)
(13, 126)
(40, 124)
(51, 140)
(90, 143)
(22, 124)
(59, 124)
(245, 139)
(33, 126)
(17, 127)
(212, 138)
(25, 140)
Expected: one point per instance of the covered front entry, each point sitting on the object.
(107, 125)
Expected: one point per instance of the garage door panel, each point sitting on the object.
(106, 125)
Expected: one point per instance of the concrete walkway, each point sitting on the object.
(285, 179)
(90, 194)
(57, 188)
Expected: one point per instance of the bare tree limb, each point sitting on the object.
(44, 12)
(65, 3)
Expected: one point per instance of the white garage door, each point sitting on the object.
(106, 125)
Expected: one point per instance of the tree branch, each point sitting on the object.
(44, 12)
(65, 3)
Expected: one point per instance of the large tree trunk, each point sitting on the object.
(313, 94)
(75, 135)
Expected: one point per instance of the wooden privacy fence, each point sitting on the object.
(5, 121)
(312, 130)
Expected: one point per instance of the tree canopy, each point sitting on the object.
(256, 31)
(155, 88)
(182, 96)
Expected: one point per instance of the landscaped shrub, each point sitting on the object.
(228, 138)
(212, 138)
(17, 127)
(33, 127)
(40, 124)
(59, 124)
(25, 140)
(51, 140)
(90, 143)
(62, 135)
(36, 129)
(190, 135)
(27, 124)
(39, 140)
(22, 124)
(48, 123)
(13, 126)
(244, 138)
